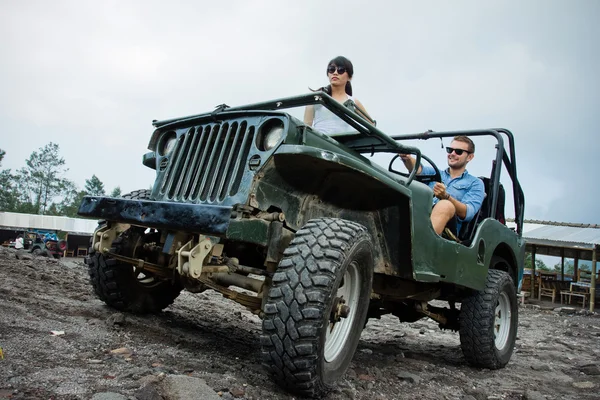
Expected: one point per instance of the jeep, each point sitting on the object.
(42, 244)
(309, 233)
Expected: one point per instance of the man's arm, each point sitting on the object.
(471, 201)
(409, 162)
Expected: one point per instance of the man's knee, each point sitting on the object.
(446, 208)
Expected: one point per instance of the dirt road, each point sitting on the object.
(97, 350)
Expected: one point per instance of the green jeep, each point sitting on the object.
(307, 232)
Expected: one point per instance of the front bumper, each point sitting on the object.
(198, 218)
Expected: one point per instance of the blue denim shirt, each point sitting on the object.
(467, 189)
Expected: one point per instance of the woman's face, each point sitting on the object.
(338, 76)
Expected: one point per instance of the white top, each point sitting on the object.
(328, 123)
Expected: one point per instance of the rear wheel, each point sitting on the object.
(489, 319)
(317, 306)
(124, 286)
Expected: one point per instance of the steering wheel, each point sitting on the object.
(437, 177)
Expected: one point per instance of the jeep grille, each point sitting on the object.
(207, 163)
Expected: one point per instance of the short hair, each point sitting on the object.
(341, 61)
(465, 139)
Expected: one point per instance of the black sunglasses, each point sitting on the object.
(331, 69)
(458, 152)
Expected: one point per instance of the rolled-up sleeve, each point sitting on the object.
(427, 170)
(473, 198)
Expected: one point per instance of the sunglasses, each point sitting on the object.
(331, 69)
(458, 152)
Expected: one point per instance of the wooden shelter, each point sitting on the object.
(566, 240)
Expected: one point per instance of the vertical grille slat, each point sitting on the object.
(208, 162)
(185, 171)
(181, 158)
(220, 173)
(197, 144)
(206, 159)
(169, 174)
(206, 136)
(208, 174)
(241, 161)
(234, 144)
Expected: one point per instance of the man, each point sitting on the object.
(19, 242)
(460, 194)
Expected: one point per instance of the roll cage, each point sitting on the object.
(371, 140)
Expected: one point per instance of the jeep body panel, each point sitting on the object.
(218, 163)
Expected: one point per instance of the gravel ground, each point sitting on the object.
(94, 349)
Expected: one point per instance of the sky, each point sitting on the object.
(91, 76)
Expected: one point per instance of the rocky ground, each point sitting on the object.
(60, 342)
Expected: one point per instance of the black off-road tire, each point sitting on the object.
(485, 315)
(324, 253)
(116, 284)
(37, 252)
(142, 194)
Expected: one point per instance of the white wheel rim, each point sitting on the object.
(349, 290)
(502, 321)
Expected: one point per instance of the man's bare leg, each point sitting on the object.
(442, 212)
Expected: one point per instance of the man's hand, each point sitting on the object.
(439, 191)
(408, 160)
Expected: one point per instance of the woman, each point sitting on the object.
(339, 72)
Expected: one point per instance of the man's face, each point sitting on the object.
(459, 161)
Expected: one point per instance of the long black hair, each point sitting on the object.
(339, 61)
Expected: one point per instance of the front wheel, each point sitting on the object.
(488, 321)
(124, 286)
(317, 306)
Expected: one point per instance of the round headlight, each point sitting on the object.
(167, 143)
(272, 137)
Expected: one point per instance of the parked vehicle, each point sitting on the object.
(42, 244)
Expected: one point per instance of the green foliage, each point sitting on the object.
(94, 187)
(116, 192)
(569, 267)
(41, 188)
(539, 264)
(8, 196)
(72, 202)
(41, 180)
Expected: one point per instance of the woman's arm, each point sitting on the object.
(309, 115)
(363, 111)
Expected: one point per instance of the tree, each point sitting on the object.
(42, 180)
(116, 192)
(9, 199)
(94, 186)
(569, 267)
(539, 264)
(71, 202)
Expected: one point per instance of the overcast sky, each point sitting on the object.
(91, 76)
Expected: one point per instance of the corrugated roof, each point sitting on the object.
(566, 235)
(555, 223)
(9, 220)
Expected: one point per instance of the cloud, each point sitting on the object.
(92, 76)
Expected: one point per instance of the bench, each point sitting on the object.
(523, 295)
(571, 294)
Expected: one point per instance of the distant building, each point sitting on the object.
(78, 231)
